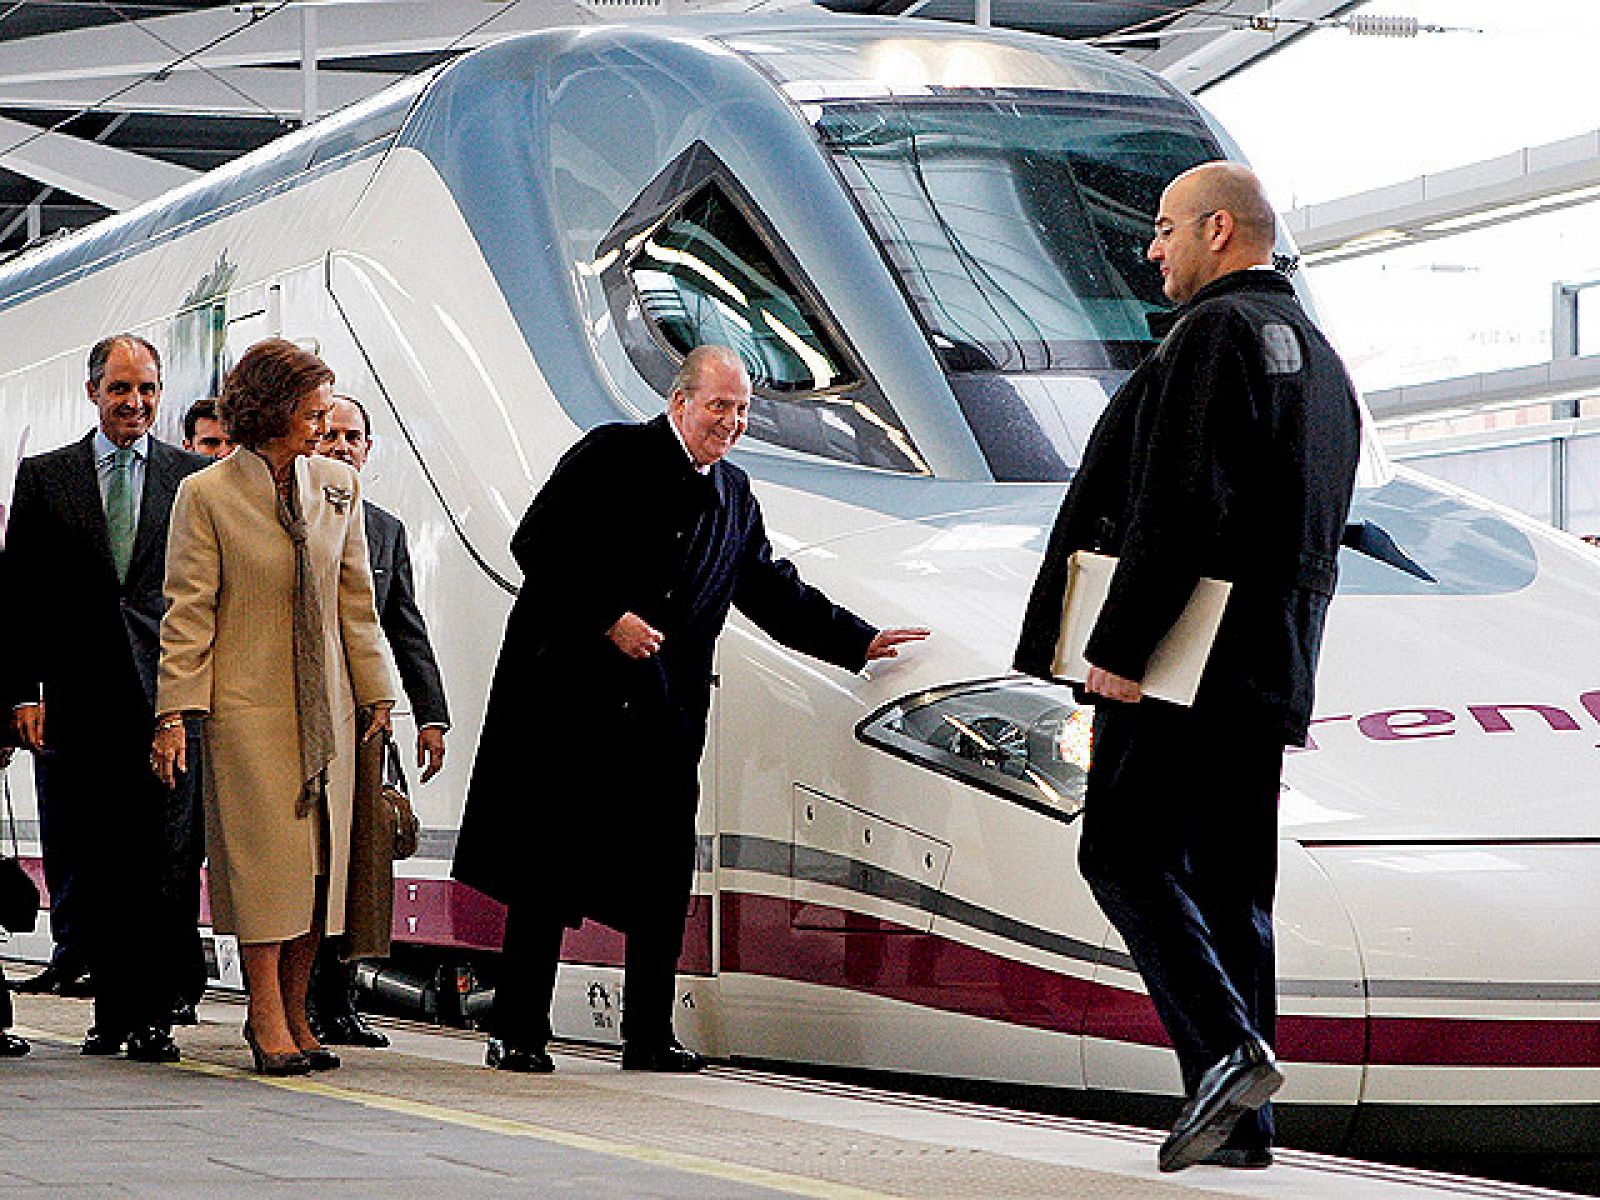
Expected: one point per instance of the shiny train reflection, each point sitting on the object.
(927, 245)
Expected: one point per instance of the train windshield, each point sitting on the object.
(1018, 231)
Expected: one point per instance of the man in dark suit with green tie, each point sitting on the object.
(85, 558)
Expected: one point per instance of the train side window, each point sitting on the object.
(691, 263)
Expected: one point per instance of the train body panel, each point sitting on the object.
(508, 252)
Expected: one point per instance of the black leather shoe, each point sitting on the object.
(11, 1046)
(183, 1013)
(152, 1045)
(1244, 1158)
(100, 1042)
(52, 979)
(351, 1029)
(509, 1056)
(670, 1058)
(80, 987)
(1244, 1080)
(320, 1058)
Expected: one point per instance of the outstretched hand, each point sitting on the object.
(1113, 687)
(28, 722)
(887, 642)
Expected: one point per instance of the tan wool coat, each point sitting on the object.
(227, 651)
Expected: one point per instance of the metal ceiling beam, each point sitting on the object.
(1196, 60)
(1551, 380)
(115, 179)
(240, 92)
(379, 27)
(1523, 183)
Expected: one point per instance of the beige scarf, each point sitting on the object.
(310, 669)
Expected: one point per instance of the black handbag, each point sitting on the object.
(19, 895)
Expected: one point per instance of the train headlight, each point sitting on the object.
(1020, 738)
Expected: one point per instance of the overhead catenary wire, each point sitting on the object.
(254, 17)
(1161, 25)
(145, 29)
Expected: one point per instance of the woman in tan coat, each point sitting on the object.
(271, 636)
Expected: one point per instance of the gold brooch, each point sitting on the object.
(337, 496)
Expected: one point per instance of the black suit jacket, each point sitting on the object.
(1231, 452)
(585, 776)
(89, 644)
(396, 597)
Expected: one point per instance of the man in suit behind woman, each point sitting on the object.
(349, 439)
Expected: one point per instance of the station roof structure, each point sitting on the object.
(103, 106)
(1523, 183)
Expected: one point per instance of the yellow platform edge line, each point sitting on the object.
(795, 1185)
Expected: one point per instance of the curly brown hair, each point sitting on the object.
(261, 393)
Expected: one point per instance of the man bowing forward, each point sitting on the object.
(583, 794)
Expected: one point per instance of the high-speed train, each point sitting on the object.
(927, 243)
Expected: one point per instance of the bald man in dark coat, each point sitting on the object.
(1231, 453)
(584, 790)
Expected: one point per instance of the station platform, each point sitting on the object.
(425, 1117)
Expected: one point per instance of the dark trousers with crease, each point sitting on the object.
(184, 853)
(1179, 845)
(61, 852)
(332, 991)
(653, 860)
(531, 954)
(139, 931)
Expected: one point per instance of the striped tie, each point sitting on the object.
(120, 525)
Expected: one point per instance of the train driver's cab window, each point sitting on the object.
(704, 276)
(701, 269)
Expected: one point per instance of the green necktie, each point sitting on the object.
(120, 525)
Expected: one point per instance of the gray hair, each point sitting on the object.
(695, 362)
(101, 354)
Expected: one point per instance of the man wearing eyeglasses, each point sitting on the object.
(1230, 453)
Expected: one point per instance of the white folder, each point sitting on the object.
(1179, 659)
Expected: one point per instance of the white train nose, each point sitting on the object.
(1482, 990)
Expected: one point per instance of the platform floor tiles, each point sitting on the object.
(425, 1118)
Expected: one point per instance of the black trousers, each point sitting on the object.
(655, 914)
(332, 991)
(1179, 845)
(137, 927)
(61, 853)
(184, 852)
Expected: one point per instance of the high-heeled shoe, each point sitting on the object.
(288, 1063)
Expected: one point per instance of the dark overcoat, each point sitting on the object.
(584, 788)
(1231, 453)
